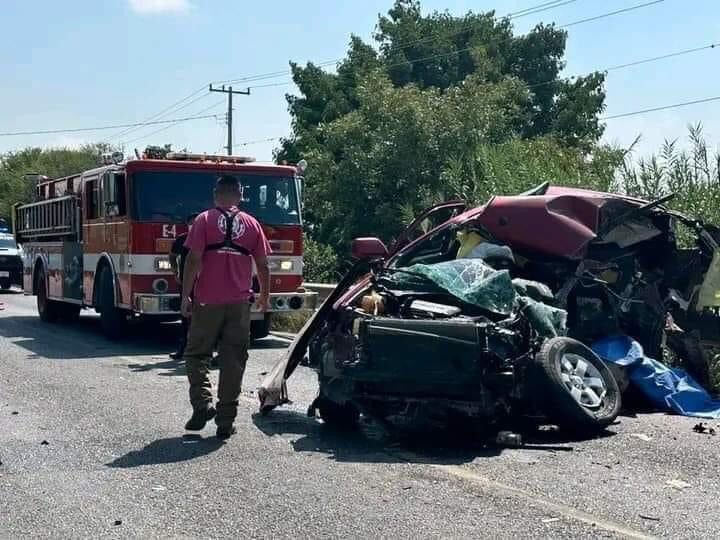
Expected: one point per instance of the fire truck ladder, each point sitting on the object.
(53, 219)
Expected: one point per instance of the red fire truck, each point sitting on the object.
(101, 238)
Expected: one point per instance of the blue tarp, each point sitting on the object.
(670, 389)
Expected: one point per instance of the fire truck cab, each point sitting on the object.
(101, 238)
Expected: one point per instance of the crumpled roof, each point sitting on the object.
(561, 222)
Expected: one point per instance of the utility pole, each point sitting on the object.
(229, 91)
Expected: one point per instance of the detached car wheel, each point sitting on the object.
(338, 416)
(579, 391)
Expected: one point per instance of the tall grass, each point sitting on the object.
(691, 173)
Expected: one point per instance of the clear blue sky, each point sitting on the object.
(84, 63)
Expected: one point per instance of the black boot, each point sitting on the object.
(225, 432)
(200, 417)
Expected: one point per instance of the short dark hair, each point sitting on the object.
(191, 217)
(227, 184)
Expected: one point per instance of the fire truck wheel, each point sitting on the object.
(48, 310)
(112, 320)
(260, 329)
(70, 313)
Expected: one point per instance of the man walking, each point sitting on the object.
(178, 256)
(223, 243)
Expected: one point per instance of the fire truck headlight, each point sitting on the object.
(162, 264)
(280, 265)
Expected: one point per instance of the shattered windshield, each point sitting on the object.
(172, 196)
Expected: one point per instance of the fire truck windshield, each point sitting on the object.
(172, 196)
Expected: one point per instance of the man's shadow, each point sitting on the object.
(171, 450)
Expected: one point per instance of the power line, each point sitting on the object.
(618, 12)
(604, 118)
(166, 109)
(662, 108)
(663, 57)
(101, 128)
(164, 128)
(546, 6)
(538, 9)
(271, 85)
(126, 132)
(631, 64)
(712, 46)
(148, 122)
(467, 49)
(257, 141)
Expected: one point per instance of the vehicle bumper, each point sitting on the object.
(169, 304)
(290, 302)
(11, 271)
(156, 304)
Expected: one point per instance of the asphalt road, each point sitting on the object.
(92, 445)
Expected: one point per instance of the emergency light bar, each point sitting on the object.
(186, 156)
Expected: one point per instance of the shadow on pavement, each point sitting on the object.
(171, 450)
(372, 443)
(11, 292)
(556, 440)
(83, 340)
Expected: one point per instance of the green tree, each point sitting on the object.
(439, 106)
(320, 263)
(51, 162)
(440, 51)
(390, 152)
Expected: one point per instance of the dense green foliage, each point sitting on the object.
(52, 162)
(442, 106)
(320, 263)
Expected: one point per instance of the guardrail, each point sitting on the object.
(322, 289)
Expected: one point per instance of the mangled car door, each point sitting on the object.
(427, 221)
(273, 390)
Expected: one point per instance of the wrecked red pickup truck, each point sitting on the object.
(487, 314)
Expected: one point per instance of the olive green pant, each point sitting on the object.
(228, 326)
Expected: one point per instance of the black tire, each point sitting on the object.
(260, 329)
(338, 416)
(5, 284)
(49, 311)
(113, 320)
(556, 398)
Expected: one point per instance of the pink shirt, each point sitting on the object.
(226, 275)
